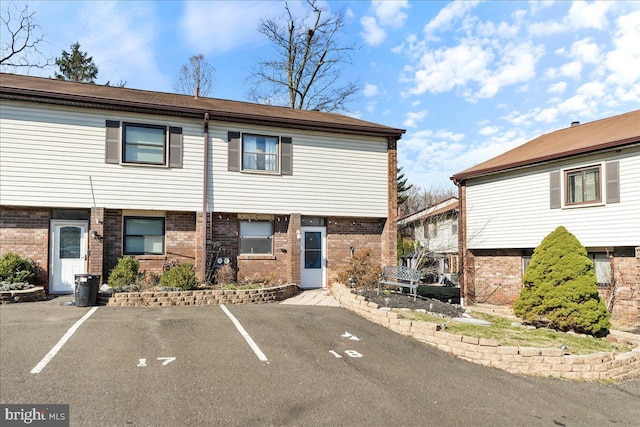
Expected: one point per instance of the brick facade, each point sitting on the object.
(25, 231)
(495, 277)
(343, 233)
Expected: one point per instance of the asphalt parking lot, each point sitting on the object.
(273, 365)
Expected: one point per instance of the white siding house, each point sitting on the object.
(585, 178)
(91, 173)
(436, 230)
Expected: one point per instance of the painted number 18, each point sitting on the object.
(350, 353)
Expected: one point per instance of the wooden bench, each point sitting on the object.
(401, 276)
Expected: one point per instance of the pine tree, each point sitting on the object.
(76, 66)
(560, 287)
(402, 187)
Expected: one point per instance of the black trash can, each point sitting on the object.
(86, 289)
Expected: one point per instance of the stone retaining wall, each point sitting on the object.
(488, 352)
(25, 295)
(200, 297)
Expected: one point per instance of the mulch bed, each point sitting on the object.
(398, 300)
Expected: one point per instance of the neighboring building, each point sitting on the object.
(586, 178)
(436, 229)
(90, 173)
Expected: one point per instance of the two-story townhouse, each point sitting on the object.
(91, 173)
(435, 228)
(585, 177)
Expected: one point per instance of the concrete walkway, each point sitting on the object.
(313, 297)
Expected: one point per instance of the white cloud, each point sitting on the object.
(623, 61)
(370, 90)
(558, 87)
(412, 119)
(584, 14)
(571, 69)
(448, 14)
(223, 26)
(488, 130)
(581, 15)
(372, 33)
(120, 37)
(389, 13)
(586, 51)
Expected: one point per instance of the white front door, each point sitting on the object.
(68, 255)
(313, 255)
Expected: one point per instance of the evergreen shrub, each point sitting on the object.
(125, 274)
(16, 269)
(560, 288)
(182, 277)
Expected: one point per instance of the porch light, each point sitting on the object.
(298, 235)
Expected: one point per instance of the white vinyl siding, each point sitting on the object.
(333, 175)
(511, 210)
(48, 155)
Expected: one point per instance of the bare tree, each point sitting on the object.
(196, 77)
(21, 39)
(419, 198)
(306, 71)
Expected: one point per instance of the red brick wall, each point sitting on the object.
(25, 231)
(359, 233)
(342, 234)
(493, 277)
(625, 307)
(180, 242)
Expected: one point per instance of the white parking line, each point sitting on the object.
(246, 336)
(56, 348)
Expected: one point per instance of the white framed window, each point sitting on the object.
(583, 186)
(260, 153)
(256, 237)
(144, 235)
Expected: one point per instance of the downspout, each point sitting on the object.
(462, 240)
(205, 197)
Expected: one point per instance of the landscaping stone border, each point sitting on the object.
(24, 295)
(198, 297)
(489, 352)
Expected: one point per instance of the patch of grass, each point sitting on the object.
(518, 336)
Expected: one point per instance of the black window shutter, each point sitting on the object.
(555, 199)
(286, 153)
(175, 147)
(233, 162)
(612, 172)
(112, 142)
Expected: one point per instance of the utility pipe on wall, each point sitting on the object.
(205, 195)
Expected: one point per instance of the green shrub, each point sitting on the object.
(182, 276)
(16, 269)
(125, 274)
(560, 288)
(360, 271)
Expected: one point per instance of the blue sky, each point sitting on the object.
(467, 80)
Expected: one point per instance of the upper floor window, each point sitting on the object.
(260, 153)
(583, 185)
(143, 235)
(144, 144)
